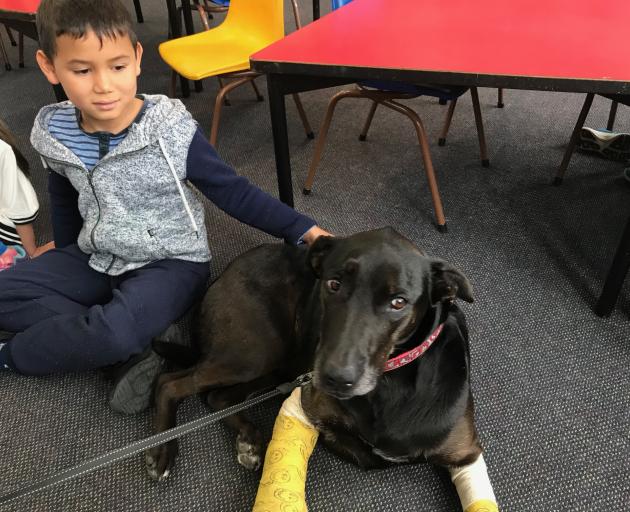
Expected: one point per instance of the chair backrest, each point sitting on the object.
(261, 18)
(339, 3)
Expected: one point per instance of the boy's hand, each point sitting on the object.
(314, 233)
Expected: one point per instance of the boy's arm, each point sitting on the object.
(242, 200)
(64, 210)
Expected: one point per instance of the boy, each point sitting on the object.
(132, 252)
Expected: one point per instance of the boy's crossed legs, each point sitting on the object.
(68, 317)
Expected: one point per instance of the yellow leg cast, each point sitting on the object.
(283, 480)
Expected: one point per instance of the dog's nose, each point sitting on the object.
(342, 377)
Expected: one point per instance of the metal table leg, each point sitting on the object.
(616, 275)
(280, 138)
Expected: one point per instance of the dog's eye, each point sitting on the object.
(398, 303)
(333, 285)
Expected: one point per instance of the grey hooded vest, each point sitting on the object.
(136, 204)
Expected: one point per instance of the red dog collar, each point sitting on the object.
(414, 353)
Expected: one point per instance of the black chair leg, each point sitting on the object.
(138, 8)
(575, 136)
(611, 116)
(3, 54)
(10, 36)
(616, 275)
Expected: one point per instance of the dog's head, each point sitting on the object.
(374, 288)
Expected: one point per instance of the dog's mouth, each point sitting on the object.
(335, 393)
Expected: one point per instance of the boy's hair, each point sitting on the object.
(106, 18)
(9, 138)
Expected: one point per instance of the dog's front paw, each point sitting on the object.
(159, 461)
(249, 453)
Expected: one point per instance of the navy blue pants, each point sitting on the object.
(69, 317)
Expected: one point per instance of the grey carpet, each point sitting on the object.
(550, 378)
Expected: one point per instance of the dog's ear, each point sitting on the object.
(317, 252)
(448, 283)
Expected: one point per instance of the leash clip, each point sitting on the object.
(304, 379)
(300, 381)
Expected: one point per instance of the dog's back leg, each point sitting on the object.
(250, 445)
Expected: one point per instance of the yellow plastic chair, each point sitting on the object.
(224, 51)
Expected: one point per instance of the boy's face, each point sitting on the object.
(100, 79)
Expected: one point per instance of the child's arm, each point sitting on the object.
(27, 238)
(240, 199)
(64, 210)
(18, 199)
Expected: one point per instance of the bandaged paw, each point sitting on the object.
(283, 481)
(473, 487)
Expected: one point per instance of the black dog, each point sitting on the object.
(345, 308)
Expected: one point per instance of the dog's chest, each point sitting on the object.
(396, 425)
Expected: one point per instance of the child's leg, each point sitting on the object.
(61, 281)
(164, 291)
(143, 304)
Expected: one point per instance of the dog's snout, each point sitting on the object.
(341, 378)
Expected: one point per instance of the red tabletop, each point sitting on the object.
(550, 39)
(23, 6)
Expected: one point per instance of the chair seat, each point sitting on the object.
(443, 92)
(211, 53)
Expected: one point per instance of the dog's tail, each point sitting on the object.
(183, 356)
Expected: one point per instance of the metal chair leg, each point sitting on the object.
(10, 36)
(203, 16)
(20, 49)
(479, 122)
(259, 97)
(426, 157)
(321, 137)
(218, 102)
(574, 138)
(500, 97)
(296, 14)
(226, 99)
(4, 55)
(612, 115)
(368, 121)
(300, 108)
(447, 122)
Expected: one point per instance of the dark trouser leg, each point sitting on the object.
(72, 318)
(39, 295)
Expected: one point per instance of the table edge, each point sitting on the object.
(356, 73)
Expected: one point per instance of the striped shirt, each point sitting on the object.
(65, 126)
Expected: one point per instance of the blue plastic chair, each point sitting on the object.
(385, 93)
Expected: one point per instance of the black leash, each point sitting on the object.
(150, 442)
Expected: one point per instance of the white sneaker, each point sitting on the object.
(611, 145)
